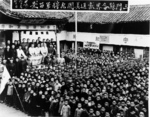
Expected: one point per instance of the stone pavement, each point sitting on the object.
(6, 111)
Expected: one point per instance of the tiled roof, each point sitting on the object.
(5, 8)
(137, 13)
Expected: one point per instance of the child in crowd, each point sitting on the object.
(95, 83)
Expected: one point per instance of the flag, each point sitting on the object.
(5, 78)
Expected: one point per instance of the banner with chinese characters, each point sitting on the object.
(103, 39)
(71, 5)
(26, 27)
(92, 45)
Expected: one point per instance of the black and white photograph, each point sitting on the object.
(74, 58)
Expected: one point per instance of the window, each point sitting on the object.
(30, 32)
(42, 33)
(36, 33)
(24, 32)
(47, 33)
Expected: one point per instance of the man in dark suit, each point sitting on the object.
(23, 43)
(18, 66)
(7, 53)
(8, 43)
(12, 67)
(13, 52)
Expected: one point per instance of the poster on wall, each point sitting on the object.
(92, 45)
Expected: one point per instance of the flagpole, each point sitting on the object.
(76, 29)
(19, 98)
(76, 39)
(57, 44)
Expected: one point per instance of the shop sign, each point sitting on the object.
(103, 39)
(92, 45)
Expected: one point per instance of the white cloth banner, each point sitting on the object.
(92, 45)
(5, 77)
(35, 60)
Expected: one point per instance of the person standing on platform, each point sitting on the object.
(18, 44)
(44, 41)
(32, 42)
(51, 49)
(8, 43)
(7, 53)
(38, 50)
(67, 59)
(48, 60)
(54, 60)
(5, 63)
(44, 50)
(47, 43)
(26, 50)
(20, 53)
(13, 52)
(37, 42)
(22, 58)
(23, 43)
(55, 50)
(28, 42)
(32, 51)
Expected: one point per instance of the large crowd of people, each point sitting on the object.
(94, 83)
